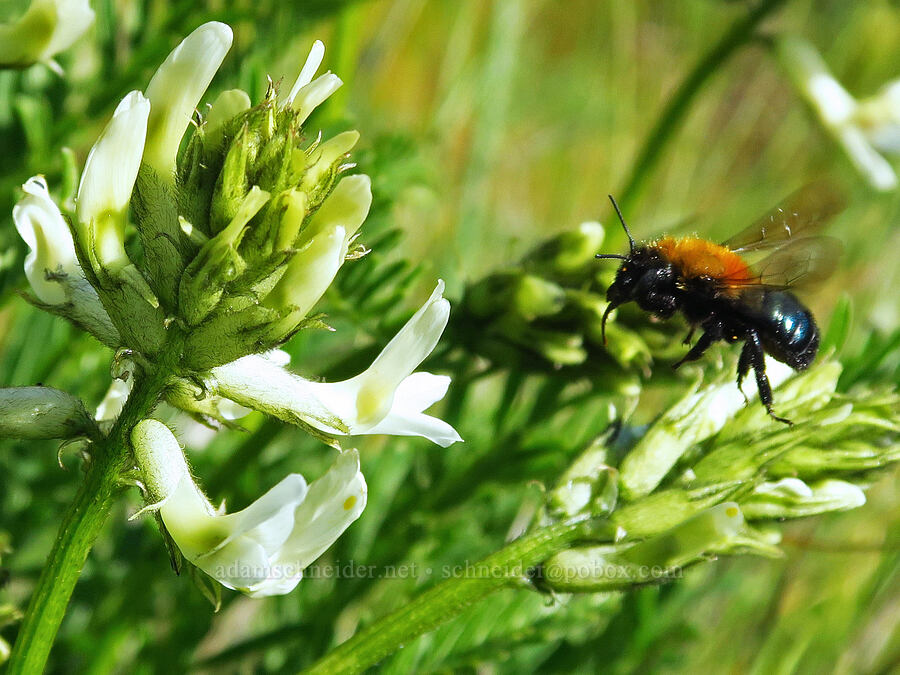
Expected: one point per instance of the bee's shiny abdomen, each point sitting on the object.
(788, 330)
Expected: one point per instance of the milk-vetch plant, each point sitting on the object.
(237, 239)
(203, 238)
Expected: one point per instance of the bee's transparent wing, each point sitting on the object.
(800, 214)
(797, 262)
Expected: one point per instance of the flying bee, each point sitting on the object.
(720, 293)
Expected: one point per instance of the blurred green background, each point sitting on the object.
(487, 127)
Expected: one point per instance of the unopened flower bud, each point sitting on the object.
(568, 253)
(535, 297)
(229, 104)
(793, 498)
(42, 412)
(589, 485)
(720, 529)
(697, 416)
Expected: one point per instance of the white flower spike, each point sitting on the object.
(109, 174)
(176, 89)
(52, 250)
(388, 398)
(47, 28)
(263, 549)
(862, 128)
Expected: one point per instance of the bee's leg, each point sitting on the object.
(697, 350)
(689, 336)
(757, 358)
(743, 368)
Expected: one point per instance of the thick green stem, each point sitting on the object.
(449, 598)
(80, 528)
(739, 34)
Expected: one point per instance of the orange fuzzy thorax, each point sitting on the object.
(695, 257)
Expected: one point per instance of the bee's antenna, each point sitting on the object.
(611, 255)
(622, 220)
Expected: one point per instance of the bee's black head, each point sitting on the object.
(622, 288)
(643, 276)
(630, 272)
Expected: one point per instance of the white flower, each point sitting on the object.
(47, 28)
(114, 400)
(861, 127)
(388, 398)
(308, 94)
(175, 91)
(52, 250)
(263, 549)
(51, 266)
(105, 190)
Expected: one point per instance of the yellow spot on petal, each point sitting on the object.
(349, 502)
(373, 402)
(731, 512)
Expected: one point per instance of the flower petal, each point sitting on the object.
(107, 181)
(314, 94)
(420, 391)
(334, 501)
(242, 550)
(357, 405)
(228, 104)
(347, 206)
(176, 89)
(407, 423)
(269, 520)
(416, 340)
(310, 272)
(114, 400)
(41, 226)
(73, 17)
(313, 61)
(877, 170)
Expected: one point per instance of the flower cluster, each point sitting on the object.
(238, 239)
(866, 129)
(550, 305)
(702, 478)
